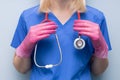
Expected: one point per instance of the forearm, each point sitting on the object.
(23, 65)
(98, 65)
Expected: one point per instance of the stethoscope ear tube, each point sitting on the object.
(79, 43)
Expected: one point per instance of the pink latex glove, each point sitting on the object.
(92, 30)
(36, 33)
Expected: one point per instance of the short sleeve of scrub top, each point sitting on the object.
(20, 32)
(75, 64)
(104, 31)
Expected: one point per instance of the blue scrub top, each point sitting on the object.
(76, 63)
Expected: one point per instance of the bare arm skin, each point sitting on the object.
(23, 65)
(98, 65)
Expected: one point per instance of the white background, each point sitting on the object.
(10, 11)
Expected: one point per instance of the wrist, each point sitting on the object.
(101, 53)
(101, 48)
(24, 50)
(23, 53)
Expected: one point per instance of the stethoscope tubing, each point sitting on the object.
(60, 50)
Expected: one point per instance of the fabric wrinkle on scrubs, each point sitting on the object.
(75, 64)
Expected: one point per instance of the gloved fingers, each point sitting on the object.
(38, 28)
(93, 36)
(84, 21)
(47, 23)
(42, 37)
(33, 38)
(85, 25)
(42, 32)
(49, 27)
(88, 30)
(85, 29)
(81, 25)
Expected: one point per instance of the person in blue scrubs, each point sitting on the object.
(76, 64)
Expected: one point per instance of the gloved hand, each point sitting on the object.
(92, 30)
(36, 33)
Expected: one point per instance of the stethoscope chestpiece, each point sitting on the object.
(79, 43)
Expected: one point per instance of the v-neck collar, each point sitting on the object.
(52, 16)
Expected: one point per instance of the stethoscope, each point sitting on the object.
(79, 43)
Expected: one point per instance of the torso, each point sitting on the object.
(75, 64)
